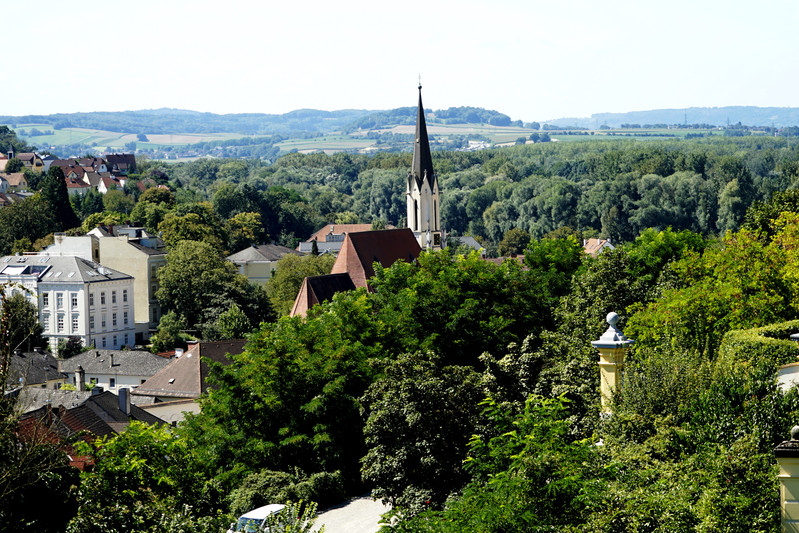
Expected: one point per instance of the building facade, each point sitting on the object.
(75, 298)
(142, 262)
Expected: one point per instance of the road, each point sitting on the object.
(358, 515)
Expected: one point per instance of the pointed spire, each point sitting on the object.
(422, 166)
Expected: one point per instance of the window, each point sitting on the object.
(125, 318)
(91, 322)
(60, 323)
(74, 323)
(59, 300)
(114, 320)
(115, 341)
(112, 382)
(45, 299)
(103, 342)
(113, 297)
(74, 299)
(46, 322)
(102, 298)
(125, 295)
(126, 339)
(103, 322)
(91, 299)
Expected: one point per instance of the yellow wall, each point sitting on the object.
(117, 253)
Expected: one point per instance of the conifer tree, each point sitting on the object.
(54, 193)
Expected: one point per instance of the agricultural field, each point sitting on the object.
(66, 140)
(103, 140)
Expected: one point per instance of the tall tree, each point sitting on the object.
(54, 193)
(199, 285)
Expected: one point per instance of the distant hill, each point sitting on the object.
(307, 121)
(715, 116)
(313, 123)
(173, 121)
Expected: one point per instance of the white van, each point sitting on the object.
(253, 521)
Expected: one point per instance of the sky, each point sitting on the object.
(532, 60)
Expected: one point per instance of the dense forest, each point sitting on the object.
(462, 391)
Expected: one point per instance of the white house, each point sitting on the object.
(76, 298)
(112, 369)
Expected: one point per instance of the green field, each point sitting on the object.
(113, 141)
(110, 139)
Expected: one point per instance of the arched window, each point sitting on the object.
(415, 215)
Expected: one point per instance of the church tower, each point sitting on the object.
(422, 191)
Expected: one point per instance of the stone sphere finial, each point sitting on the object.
(612, 318)
(795, 433)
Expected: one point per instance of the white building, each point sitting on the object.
(76, 298)
(112, 369)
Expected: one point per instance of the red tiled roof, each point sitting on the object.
(338, 229)
(318, 289)
(361, 250)
(593, 246)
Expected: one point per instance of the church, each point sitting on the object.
(422, 192)
(361, 250)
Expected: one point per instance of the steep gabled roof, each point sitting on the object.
(422, 165)
(318, 289)
(361, 250)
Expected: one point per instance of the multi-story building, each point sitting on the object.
(125, 249)
(129, 255)
(76, 298)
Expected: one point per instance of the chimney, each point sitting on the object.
(124, 401)
(80, 375)
(112, 360)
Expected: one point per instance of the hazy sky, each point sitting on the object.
(530, 59)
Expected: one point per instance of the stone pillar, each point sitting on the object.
(612, 346)
(787, 454)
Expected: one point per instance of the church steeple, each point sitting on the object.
(422, 166)
(422, 188)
